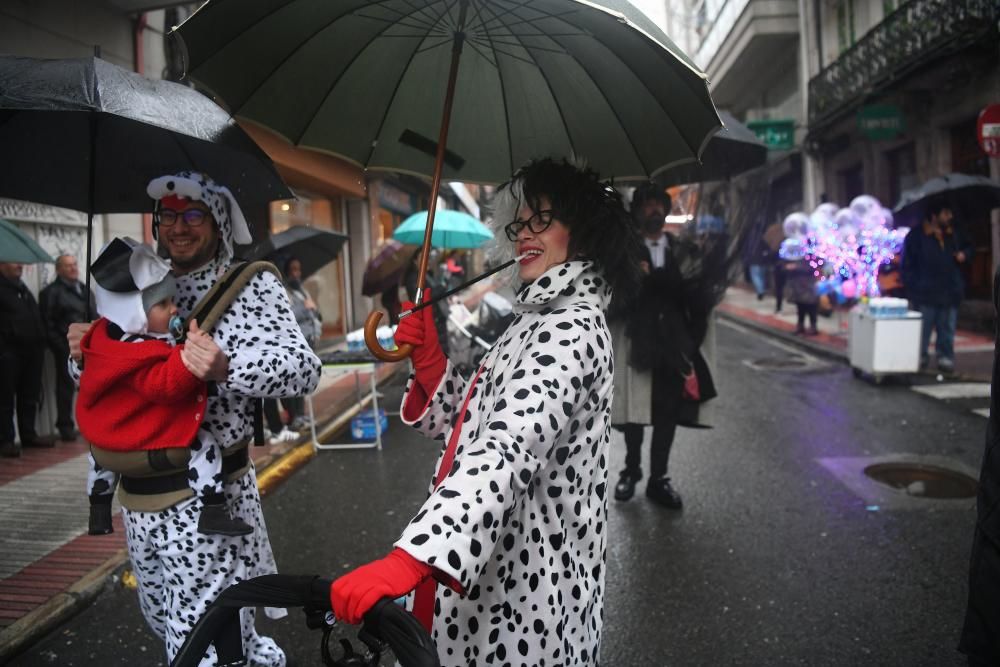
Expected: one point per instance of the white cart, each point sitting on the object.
(881, 346)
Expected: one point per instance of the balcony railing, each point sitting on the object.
(918, 32)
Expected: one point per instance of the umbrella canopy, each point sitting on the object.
(387, 267)
(731, 151)
(367, 81)
(314, 248)
(16, 247)
(452, 229)
(88, 135)
(963, 191)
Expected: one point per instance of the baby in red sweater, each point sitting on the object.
(135, 391)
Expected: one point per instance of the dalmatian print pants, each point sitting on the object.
(180, 571)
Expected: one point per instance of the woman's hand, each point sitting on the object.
(353, 594)
(418, 330)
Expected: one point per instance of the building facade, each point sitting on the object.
(895, 90)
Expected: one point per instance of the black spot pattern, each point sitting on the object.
(519, 521)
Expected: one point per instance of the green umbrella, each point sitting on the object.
(498, 82)
(16, 247)
(452, 229)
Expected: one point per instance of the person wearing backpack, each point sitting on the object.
(255, 350)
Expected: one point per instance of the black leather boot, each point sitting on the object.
(660, 492)
(625, 488)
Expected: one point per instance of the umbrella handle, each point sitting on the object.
(371, 340)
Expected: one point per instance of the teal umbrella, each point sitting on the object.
(452, 229)
(16, 247)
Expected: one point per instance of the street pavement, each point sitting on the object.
(785, 553)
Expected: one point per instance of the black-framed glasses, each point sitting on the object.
(537, 224)
(193, 217)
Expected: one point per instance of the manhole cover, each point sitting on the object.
(925, 481)
(779, 364)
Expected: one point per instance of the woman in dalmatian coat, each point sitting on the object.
(507, 555)
(256, 350)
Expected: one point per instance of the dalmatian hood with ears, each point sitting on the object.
(233, 228)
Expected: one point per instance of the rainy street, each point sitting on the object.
(784, 553)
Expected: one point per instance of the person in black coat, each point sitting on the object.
(22, 350)
(980, 639)
(62, 302)
(660, 375)
(933, 254)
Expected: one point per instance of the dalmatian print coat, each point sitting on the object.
(519, 522)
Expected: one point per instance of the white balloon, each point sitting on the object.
(796, 225)
(862, 204)
(846, 223)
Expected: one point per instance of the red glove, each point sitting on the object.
(353, 594)
(419, 331)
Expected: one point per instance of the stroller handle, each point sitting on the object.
(220, 625)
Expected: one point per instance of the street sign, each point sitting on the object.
(988, 130)
(777, 135)
(881, 122)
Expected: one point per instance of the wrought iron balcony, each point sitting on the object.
(917, 33)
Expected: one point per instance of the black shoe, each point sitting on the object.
(10, 450)
(100, 519)
(215, 520)
(68, 434)
(39, 442)
(625, 488)
(661, 493)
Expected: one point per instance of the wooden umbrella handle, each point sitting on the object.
(371, 340)
(371, 324)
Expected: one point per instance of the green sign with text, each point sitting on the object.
(777, 135)
(880, 122)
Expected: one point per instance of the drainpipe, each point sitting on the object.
(139, 65)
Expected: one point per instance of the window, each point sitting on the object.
(845, 24)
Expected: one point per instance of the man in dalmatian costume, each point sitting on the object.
(507, 555)
(255, 350)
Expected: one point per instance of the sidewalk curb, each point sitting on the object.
(39, 621)
(798, 341)
(31, 627)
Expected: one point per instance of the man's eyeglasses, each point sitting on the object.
(537, 224)
(193, 217)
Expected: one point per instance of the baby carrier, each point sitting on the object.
(153, 480)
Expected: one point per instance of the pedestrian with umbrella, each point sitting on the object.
(518, 488)
(934, 253)
(22, 343)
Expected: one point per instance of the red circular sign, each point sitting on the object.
(988, 130)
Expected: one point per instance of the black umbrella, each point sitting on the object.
(314, 248)
(962, 191)
(85, 134)
(731, 151)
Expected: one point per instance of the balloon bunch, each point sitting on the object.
(846, 246)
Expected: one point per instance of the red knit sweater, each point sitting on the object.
(136, 395)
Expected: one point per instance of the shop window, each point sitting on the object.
(327, 285)
(852, 183)
(902, 171)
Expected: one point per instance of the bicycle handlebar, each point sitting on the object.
(385, 622)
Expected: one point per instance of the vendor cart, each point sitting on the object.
(883, 342)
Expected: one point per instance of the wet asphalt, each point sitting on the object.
(774, 560)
